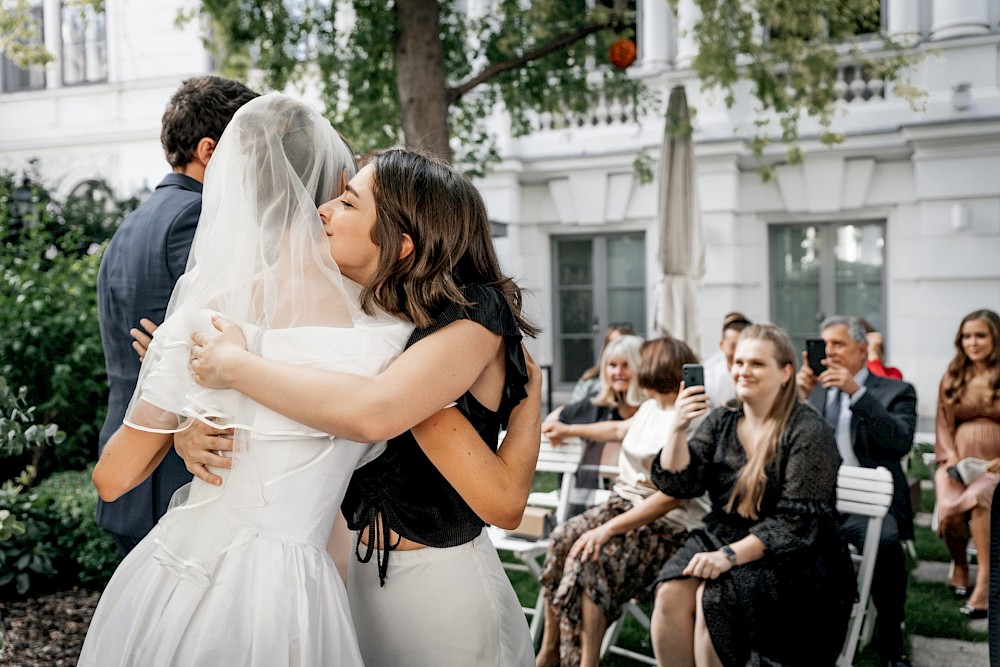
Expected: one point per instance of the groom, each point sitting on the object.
(146, 256)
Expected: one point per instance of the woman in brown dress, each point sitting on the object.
(968, 427)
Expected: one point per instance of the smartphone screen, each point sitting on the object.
(816, 353)
(693, 375)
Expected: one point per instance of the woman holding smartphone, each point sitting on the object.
(769, 580)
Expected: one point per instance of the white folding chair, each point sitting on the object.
(865, 492)
(610, 641)
(564, 460)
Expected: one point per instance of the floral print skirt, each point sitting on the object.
(628, 565)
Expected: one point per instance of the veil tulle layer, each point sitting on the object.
(260, 257)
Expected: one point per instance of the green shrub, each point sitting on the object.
(84, 551)
(49, 336)
(25, 551)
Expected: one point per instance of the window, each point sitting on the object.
(19, 78)
(84, 45)
(599, 281)
(826, 269)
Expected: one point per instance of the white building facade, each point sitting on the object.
(900, 223)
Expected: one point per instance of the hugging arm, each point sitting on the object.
(128, 458)
(431, 373)
(495, 485)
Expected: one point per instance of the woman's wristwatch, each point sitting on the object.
(728, 552)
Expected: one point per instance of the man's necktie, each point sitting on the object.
(833, 407)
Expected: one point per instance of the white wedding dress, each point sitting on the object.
(239, 574)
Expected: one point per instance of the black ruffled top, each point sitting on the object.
(402, 485)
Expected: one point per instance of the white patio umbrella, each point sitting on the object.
(682, 243)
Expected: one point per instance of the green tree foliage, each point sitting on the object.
(547, 55)
(530, 57)
(788, 51)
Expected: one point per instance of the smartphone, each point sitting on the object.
(816, 353)
(693, 375)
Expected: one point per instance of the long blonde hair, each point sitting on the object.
(749, 489)
(628, 348)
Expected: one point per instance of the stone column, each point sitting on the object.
(52, 36)
(960, 18)
(657, 36)
(903, 18)
(687, 15)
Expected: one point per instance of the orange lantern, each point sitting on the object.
(622, 53)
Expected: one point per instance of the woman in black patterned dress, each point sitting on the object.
(769, 580)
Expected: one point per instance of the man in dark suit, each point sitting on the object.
(146, 256)
(874, 419)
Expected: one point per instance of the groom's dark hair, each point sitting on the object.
(201, 107)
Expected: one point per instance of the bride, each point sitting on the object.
(239, 573)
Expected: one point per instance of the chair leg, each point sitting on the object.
(609, 644)
(868, 626)
(611, 635)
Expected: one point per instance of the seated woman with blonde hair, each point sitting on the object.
(769, 580)
(595, 419)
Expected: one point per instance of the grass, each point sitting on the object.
(929, 545)
(931, 610)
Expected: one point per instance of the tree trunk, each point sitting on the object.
(423, 94)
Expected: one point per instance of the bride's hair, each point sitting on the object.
(445, 217)
(260, 256)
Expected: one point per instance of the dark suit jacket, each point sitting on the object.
(882, 426)
(146, 256)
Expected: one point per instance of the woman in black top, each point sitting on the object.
(769, 580)
(414, 234)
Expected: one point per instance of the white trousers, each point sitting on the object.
(439, 608)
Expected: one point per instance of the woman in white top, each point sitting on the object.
(599, 560)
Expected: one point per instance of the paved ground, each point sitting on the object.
(935, 652)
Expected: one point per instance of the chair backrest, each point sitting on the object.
(562, 459)
(865, 492)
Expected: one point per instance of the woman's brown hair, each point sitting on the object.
(748, 491)
(960, 369)
(445, 217)
(662, 359)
